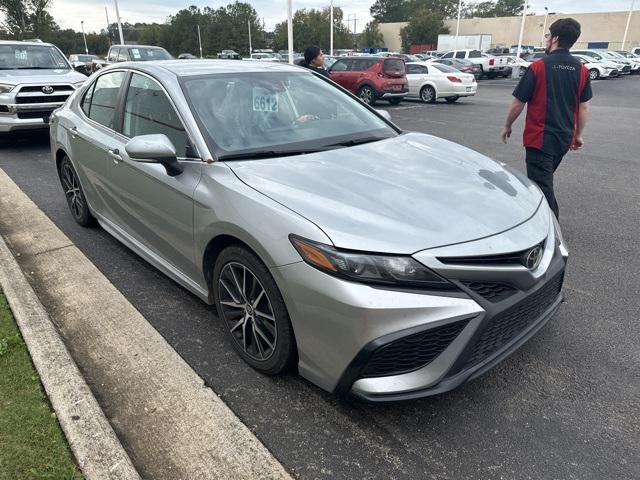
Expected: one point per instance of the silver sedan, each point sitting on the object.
(376, 262)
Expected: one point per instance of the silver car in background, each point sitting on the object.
(381, 263)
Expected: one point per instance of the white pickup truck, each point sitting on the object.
(491, 66)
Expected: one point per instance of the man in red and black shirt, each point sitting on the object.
(557, 90)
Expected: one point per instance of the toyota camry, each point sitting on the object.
(376, 262)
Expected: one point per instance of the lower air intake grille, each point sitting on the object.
(492, 291)
(412, 352)
(504, 327)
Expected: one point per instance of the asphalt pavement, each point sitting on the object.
(565, 406)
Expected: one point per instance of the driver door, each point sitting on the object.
(153, 207)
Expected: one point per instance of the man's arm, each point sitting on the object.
(514, 112)
(583, 116)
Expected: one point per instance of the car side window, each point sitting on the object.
(475, 54)
(460, 54)
(123, 56)
(411, 69)
(86, 101)
(113, 55)
(340, 66)
(148, 110)
(104, 99)
(448, 55)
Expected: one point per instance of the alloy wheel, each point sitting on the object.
(247, 311)
(593, 74)
(366, 95)
(72, 190)
(427, 94)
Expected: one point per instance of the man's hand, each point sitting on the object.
(577, 144)
(506, 133)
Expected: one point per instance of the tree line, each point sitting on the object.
(227, 27)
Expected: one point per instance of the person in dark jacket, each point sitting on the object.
(314, 60)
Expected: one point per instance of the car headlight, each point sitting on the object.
(390, 270)
(4, 88)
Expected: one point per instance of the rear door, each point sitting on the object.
(339, 72)
(416, 76)
(92, 135)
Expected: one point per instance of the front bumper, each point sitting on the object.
(20, 118)
(341, 327)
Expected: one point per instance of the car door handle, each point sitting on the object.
(115, 156)
(74, 132)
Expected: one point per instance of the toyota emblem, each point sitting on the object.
(533, 257)
(48, 89)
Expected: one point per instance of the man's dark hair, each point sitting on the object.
(311, 53)
(567, 30)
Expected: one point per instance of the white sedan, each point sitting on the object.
(431, 81)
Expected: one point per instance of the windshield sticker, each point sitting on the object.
(264, 101)
(136, 53)
(21, 54)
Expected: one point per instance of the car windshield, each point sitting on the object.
(141, 54)
(22, 57)
(278, 112)
(445, 68)
(608, 55)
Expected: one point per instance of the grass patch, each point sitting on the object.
(32, 445)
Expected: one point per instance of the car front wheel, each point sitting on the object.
(594, 74)
(367, 95)
(74, 194)
(250, 304)
(428, 94)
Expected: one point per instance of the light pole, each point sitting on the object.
(200, 41)
(458, 23)
(331, 34)
(515, 72)
(250, 49)
(290, 30)
(84, 37)
(119, 23)
(544, 26)
(626, 30)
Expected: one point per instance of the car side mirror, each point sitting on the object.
(384, 114)
(156, 148)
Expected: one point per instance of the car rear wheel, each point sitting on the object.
(453, 99)
(594, 74)
(395, 101)
(367, 95)
(253, 310)
(74, 194)
(428, 94)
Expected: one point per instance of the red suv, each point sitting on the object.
(372, 78)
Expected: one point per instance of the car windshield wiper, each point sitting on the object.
(355, 141)
(268, 154)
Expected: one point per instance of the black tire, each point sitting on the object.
(491, 75)
(452, 99)
(428, 94)
(283, 354)
(395, 101)
(594, 74)
(367, 95)
(74, 194)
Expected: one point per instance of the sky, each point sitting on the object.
(69, 13)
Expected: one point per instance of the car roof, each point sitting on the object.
(19, 42)
(187, 68)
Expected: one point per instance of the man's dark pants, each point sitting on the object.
(540, 169)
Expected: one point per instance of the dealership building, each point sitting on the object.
(599, 30)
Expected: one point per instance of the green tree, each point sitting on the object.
(423, 28)
(493, 8)
(371, 36)
(311, 27)
(403, 10)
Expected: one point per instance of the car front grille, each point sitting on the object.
(512, 258)
(33, 94)
(626, 68)
(492, 291)
(413, 351)
(42, 99)
(505, 326)
(27, 115)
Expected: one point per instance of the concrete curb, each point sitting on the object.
(170, 423)
(93, 442)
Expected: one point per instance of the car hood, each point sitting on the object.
(41, 77)
(399, 195)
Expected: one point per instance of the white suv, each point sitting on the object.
(35, 79)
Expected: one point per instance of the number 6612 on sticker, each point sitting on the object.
(264, 102)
